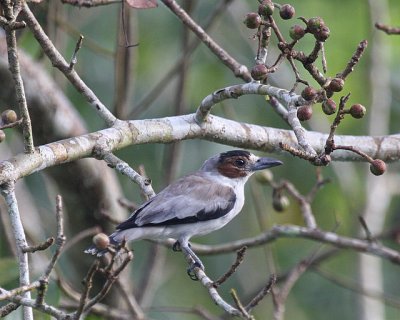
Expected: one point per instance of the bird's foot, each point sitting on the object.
(191, 273)
(195, 261)
(176, 246)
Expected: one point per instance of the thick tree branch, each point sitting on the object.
(171, 129)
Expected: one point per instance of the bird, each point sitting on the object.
(194, 205)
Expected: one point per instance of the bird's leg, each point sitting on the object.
(197, 262)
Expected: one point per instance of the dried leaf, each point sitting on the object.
(142, 4)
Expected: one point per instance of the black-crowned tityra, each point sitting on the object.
(196, 204)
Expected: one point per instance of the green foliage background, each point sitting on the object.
(158, 33)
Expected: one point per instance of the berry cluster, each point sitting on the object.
(263, 20)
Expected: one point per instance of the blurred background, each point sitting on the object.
(161, 77)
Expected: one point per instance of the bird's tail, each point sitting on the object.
(96, 251)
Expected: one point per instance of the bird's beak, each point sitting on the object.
(264, 163)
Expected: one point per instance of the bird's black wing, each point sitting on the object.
(190, 199)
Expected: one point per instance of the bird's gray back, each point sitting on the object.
(195, 197)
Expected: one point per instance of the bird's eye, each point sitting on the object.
(240, 163)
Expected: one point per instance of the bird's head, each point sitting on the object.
(238, 164)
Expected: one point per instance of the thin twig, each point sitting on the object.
(264, 37)
(152, 275)
(317, 186)
(280, 295)
(387, 29)
(79, 236)
(127, 204)
(355, 150)
(208, 283)
(368, 232)
(10, 198)
(239, 259)
(60, 240)
(323, 58)
(292, 231)
(199, 311)
(6, 294)
(239, 70)
(276, 29)
(387, 299)
(133, 305)
(110, 281)
(90, 3)
(305, 205)
(299, 130)
(278, 107)
(8, 308)
(240, 306)
(44, 308)
(330, 143)
(267, 289)
(123, 61)
(121, 166)
(160, 86)
(307, 61)
(90, 44)
(353, 60)
(74, 58)
(19, 85)
(173, 152)
(98, 309)
(88, 286)
(39, 247)
(108, 217)
(41, 291)
(12, 125)
(297, 152)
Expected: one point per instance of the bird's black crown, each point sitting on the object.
(234, 153)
